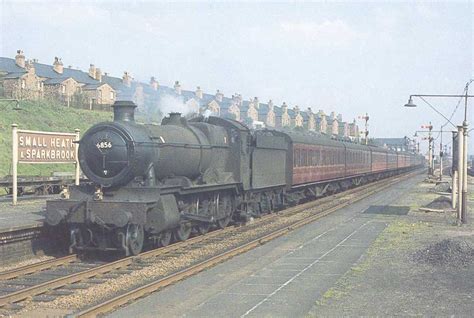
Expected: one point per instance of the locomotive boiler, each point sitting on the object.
(150, 184)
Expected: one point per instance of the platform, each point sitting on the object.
(283, 278)
(26, 214)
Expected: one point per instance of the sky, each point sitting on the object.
(349, 57)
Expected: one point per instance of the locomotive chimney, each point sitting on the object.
(124, 111)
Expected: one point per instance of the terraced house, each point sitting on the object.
(28, 79)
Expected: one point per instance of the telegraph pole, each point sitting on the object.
(441, 154)
(464, 162)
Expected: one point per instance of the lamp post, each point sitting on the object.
(462, 138)
(441, 151)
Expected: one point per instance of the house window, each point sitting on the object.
(111, 95)
(23, 83)
(63, 89)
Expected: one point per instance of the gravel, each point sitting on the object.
(442, 187)
(441, 203)
(30, 261)
(446, 253)
(163, 267)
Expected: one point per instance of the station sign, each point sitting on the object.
(41, 147)
(46, 147)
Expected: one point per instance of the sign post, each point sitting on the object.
(76, 150)
(15, 162)
(37, 147)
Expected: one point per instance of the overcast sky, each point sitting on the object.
(352, 57)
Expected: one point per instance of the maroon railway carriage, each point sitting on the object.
(317, 158)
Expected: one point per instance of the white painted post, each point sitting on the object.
(15, 162)
(460, 170)
(464, 177)
(454, 189)
(78, 169)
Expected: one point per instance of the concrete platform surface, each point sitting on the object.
(26, 214)
(283, 278)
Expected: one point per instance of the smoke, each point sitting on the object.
(207, 113)
(173, 104)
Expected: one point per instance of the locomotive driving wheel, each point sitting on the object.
(183, 232)
(165, 238)
(134, 238)
(203, 227)
(225, 210)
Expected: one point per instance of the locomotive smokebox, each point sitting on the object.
(124, 111)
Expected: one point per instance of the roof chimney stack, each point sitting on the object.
(270, 105)
(256, 102)
(154, 83)
(199, 92)
(98, 74)
(219, 96)
(58, 65)
(92, 71)
(177, 87)
(20, 59)
(126, 79)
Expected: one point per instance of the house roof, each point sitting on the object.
(53, 81)
(94, 86)
(245, 106)
(44, 70)
(263, 109)
(9, 65)
(14, 75)
(278, 110)
(391, 141)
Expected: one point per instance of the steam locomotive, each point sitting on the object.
(150, 184)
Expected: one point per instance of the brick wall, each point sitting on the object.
(35, 242)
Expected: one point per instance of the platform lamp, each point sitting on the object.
(462, 140)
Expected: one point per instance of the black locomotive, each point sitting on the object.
(154, 183)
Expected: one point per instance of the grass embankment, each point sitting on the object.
(43, 116)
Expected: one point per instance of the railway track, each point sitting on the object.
(265, 228)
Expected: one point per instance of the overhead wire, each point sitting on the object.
(441, 114)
